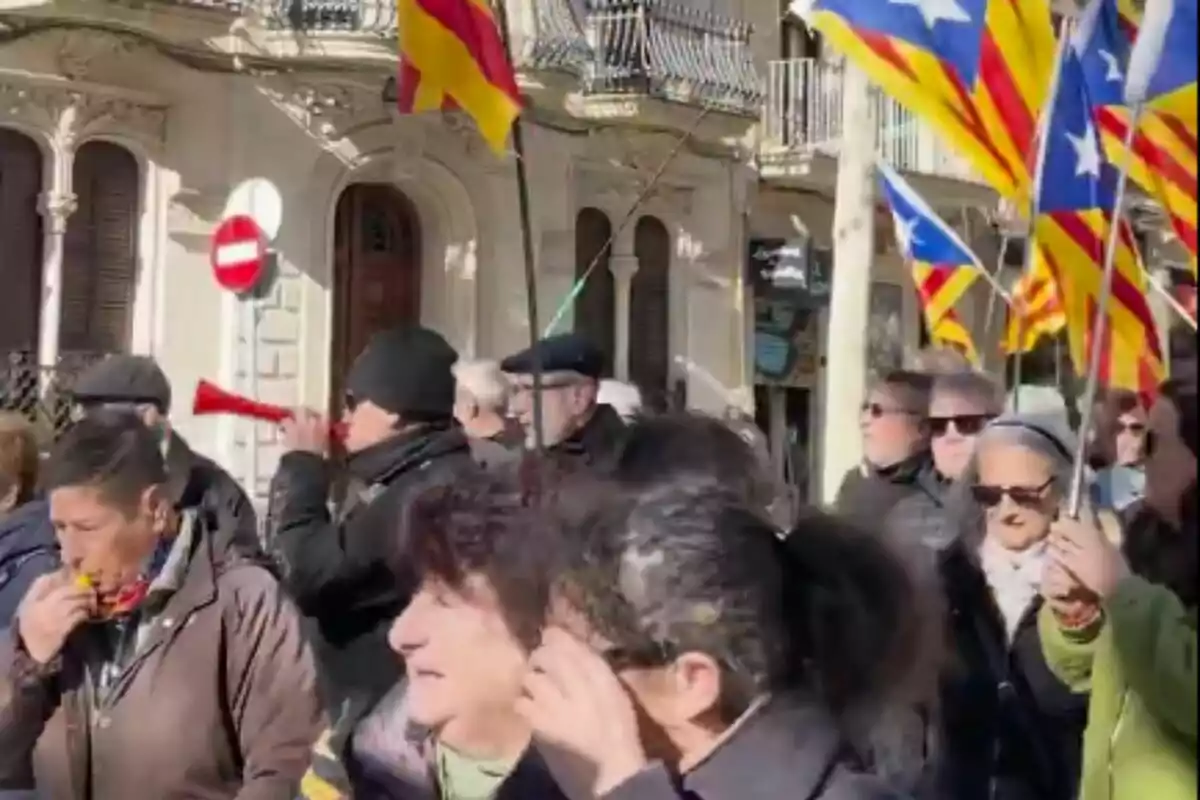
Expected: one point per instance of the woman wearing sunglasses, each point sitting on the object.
(693, 653)
(1134, 646)
(1007, 728)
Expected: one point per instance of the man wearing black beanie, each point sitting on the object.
(400, 435)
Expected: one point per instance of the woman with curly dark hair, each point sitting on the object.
(693, 652)
(482, 551)
(1120, 622)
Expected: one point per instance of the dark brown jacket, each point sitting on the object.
(219, 701)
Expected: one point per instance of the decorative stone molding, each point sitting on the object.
(329, 109)
(615, 189)
(80, 51)
(56, 208)
(70, 115)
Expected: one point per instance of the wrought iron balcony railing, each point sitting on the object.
(369, 17)
(803, 116)
(41, 394)
(671, 51)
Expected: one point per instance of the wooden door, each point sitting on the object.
(20, 245)
(100, 259)
(377, 273)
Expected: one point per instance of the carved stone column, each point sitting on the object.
(623, 266)
(56, 206)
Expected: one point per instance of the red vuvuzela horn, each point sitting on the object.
(212, 399)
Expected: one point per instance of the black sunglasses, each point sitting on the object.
(1024, 496)
(965, 424)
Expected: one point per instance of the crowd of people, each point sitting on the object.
(433, 607)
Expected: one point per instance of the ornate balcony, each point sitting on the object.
(364, 17)
(802, 129)
(671, 52)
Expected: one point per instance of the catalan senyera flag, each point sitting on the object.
(1164, 152)
(1075, 200)
(1162, 65)
(977, 70)
(1036, 310)
(943, 267)
(452, 55)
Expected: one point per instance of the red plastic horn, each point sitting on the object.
(212, 399)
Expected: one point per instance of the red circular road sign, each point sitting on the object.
(239, 253)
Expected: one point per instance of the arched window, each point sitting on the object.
(100, 260)
(595, 305)
(20, 245)
(650, 312)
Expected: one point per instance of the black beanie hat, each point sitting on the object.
(406, 371)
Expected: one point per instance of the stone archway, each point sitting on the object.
(449, 242)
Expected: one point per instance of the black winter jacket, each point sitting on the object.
(867, 495)
(1008, 729)
(199, 483)
(342, 572)
(786, 751)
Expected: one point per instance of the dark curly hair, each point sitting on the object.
(498, 523)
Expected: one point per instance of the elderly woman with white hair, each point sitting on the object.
(481, 393)
(1006, 728)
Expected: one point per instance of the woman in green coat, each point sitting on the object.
(1120, 622)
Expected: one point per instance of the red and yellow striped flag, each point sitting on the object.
(977, 72)
(452, 55)
(1036, 310)
(944, 325)
(1164, 149)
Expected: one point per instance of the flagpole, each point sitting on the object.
(1170, 299)
(1031, 246)
(1100, 321)
(531, 302)
(1005, 241)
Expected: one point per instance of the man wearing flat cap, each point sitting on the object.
(138, 385)
(574, 424)
(400, 436)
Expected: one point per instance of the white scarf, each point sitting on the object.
(1015, 578)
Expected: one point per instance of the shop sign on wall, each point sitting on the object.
(791, 283)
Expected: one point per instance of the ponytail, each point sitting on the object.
(858, 619)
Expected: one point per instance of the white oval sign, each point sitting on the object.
(258, 199)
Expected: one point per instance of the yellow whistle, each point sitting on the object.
(83, 581)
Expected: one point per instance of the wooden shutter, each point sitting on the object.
(650, 312)
(20, 243)
(100, 261)
(595, 306)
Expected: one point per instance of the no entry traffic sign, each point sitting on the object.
(239, 253)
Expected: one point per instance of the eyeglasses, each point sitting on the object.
(1138, 428)
(1024, 496)
(965, 424)
(878, 411)
(545, 386)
